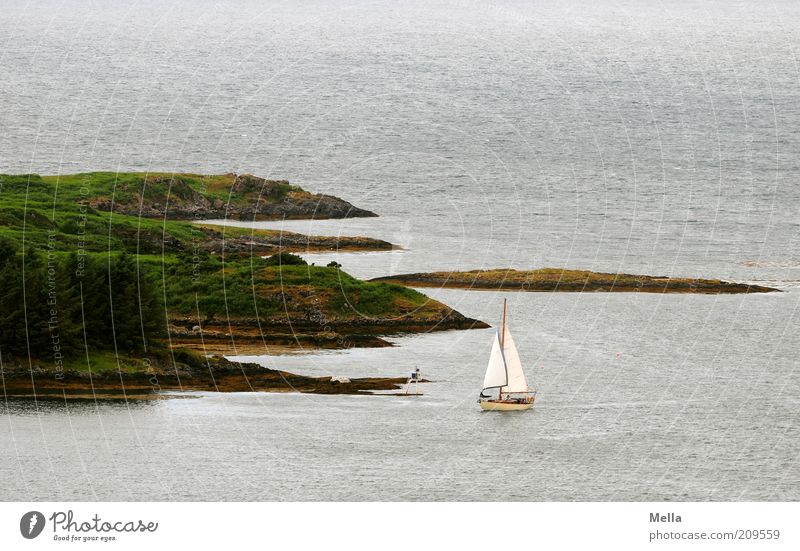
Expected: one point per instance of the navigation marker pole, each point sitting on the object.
(413, 378)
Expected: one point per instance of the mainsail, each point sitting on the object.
(505, 368)
(516, 377)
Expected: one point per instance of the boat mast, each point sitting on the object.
(503, 344)
(503, 334)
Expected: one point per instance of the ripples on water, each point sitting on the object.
(634, 137)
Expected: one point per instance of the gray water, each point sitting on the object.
(616, 136)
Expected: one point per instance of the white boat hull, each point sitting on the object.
(489, 405)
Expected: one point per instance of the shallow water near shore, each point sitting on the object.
(630, 137)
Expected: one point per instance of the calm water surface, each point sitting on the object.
(615, 136)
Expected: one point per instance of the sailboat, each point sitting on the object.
(504, 373)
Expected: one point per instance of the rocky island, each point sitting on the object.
(556, 279)
(120, 266)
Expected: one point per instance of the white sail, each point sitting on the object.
(516, 377)
(505, 373)
(496, 370)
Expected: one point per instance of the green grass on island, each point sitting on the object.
(68, 213)
(143, 279)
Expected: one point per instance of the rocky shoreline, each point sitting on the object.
(554, 279)
(243, 197)
(180, 371)
(310, 331)
(222, 239)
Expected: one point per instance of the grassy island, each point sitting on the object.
(150, 214)
(556, 279)
(101, 270)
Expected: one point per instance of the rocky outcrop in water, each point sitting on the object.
(218, 239)
(554, 279)
(179, 371)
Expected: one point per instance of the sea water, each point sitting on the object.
(635, 137)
